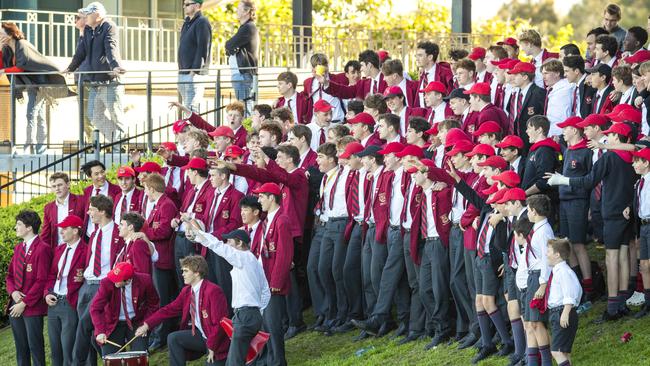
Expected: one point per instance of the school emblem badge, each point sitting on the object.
(204, 313)
(29, 267)
(531, 111)
(272, 246)
(382, 198)
(573, 164)
(198, 207)
(225, 214)
(588, 100)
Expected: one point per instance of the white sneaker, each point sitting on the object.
(636, 299)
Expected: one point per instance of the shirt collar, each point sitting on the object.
(540, 224)
(29, 243)
(65, 201)
(197, 287)
(73, 246)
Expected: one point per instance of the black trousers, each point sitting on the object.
(352, 275)
(164, 281)
(246, 322)
(417, 314)
(219, 273)
(458, 281)
(434, 273)
(61, 327)
(29, 341)
(393, 284)
(274, 320)
(182, 342)
(85, 347)
(316, 289)
(122, 335)
(330, 270)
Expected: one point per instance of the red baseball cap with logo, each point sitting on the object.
(393, 91)
(411, 150)
(638, 57)
(462, 146)
(500, 62)
(628, 115)
(122, 271)
(351, 149)
(322, 106)
(593, 120)
(487, 127)
(479, 88)
(391, 148)
(149, 167)
(496, 162)
(454, 135)
(509, 65)
(477, 53)
(71, 221)
(196, 163)
(169, 146)
(233, 151)
(180, 125)
(383, 55)
(491, 189)
(125, 171)
(269, 188)
(435, 86)
(224, 131)
(508, 42)
(508, 178)
(570, 122)
(643, 154)
(511, 141)
(616, 110)
(481, 149)
(619, 128)
(364, 118)
(497, 196)
(522, 67)
(513, 194)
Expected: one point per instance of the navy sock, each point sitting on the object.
(612, 305)
(519, 336)
(484, 324)
(545, 351)
(497, 319)
(646, 295)
(565, 363)
(532, 356)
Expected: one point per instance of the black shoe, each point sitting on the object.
(624, 310)
(401, 331)
(484, 353)
(293, 331)
(386, 328)
(325, 327)
(369, 326)
(412, 336)
(607, 317)
(361, 336)
(507, 349)
(155, 346)
(641, 313)
(344, 328)
(319, 321)
(516, 359)
(437, 340)
(468, 341)
(457, 338)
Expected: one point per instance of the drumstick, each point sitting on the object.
(127, 344)
(113, 344)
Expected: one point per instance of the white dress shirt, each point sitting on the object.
(315, 134)
(402, 121)
(62, 211)
(103, 190)
(397, 198)
(190, 208)
(362, 201)
(373, 195)
(432, 231)
(291, 104)
(216, 202)
(626, 98)
(107, 237)
(515, 164)
(61, 286)
(318, 94)
(431, 76)
(439, 156)
(539, 79)
(173, 173)
(117, 215)
(402, 85)
(439, 112)
(128, 292)
(408, 221)
(644, 198)
(339, 206)
(197, 316)
(560, 105)
(565, 287)
(537, 253)
(578, 96)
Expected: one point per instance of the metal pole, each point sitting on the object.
(149, 114)
(96, 143)
(82, 123)
(217, 97)
(12, 95)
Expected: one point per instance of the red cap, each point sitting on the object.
(509, 65)
(643, 154)
(383, 55)
(508, 42)
(570, 122)
(628, 115)
(495, 161)
(433, 130)
(509, 178)
(490, 190)
(364, 118)
(71, 221)
(513, 194)
(500, 62)
(462, 146)
(616, 110)
(125, 171)
(411, 150)
(487, 127)
(149, 167)
(322, 106)
(393, 91)
(511, 141)
(122, 271)
(270, 188)
(233, 151)
(497, 196)
(619, 128)
(481, 149)
(391, 148)
(169, 146)
(223, 131)
(638, 57)
(196, 163)
(477, 52)
(435, 86)
(350, 149)
(479, 88)
(180, 125)
(593, 120)
(454, 135)
(522, 67)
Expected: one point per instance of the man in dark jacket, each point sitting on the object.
(100, 52)
(242, 51)
(193, 53)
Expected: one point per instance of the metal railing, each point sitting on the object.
(156, 39)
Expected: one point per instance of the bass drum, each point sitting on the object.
(127, 359)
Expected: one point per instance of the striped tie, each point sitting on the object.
(480, 251)
(126, 310)
(65, 261)
(354, 194)
(424, 222)
(529, 239)
(20, 270)
(97, 264)
(193, 311)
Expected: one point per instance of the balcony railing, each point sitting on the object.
(156, 39)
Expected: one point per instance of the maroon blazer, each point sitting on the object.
(449, 113)
(374, 140)
(478, 183)
(337, 78)
(113, 191)
(441, 206)
(310, 160)
(171, 192)
(180, 161)
(381, 204)
(226, 217)
(75, 276)
(295, 191)
(277, 253)
(35, 272)
(487, 79)
(116, 245)
(413, 112)
(444, 75)
(159, 230)
(360, 90)
(302, 107)
(496, 114)
(348, 199)
(105, 307)
(412, 93)
(499, 98)
(200, 123)
(202, 204)
(49, 231)
(546, 55)
(470, 124)
(137, 253)
(212, 306)
(134, 206)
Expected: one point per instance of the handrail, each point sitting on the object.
(126, 71)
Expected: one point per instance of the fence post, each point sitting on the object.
(217, 98)
(82, 123)
(12, 95)
(149, 114)
(96, 143)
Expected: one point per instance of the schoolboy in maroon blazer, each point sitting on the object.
(372, 83)
(72, 204)
(25, 281)
(201, 305)
(96, 171)
(393, 71)
(136, 250)
(396, 101)
(479, 102)
(130, 198)
(297, 102)
(62, 290)
(125, 298)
